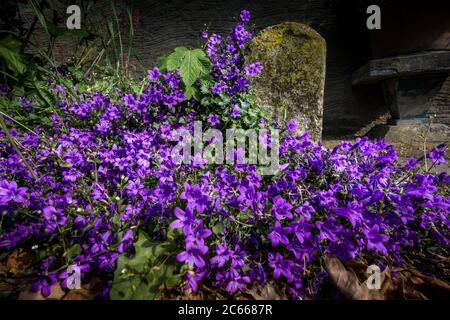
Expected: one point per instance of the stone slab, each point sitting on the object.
(402, 66)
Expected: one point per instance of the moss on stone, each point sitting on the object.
(293, 56)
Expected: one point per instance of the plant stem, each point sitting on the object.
(116, 18)
(130, 35)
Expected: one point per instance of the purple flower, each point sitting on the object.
(411, 164)
(281, 208)
(107, 261)
(193, 278)
(185, 220)
(278, 234)
(328, 229)
(104, 173)
(437, 155)
(193, 255)
(245, 16)
(240, 35)
(252, 70)
(235, 112)
(305, 211)
(219, 87)
(376, 240)
(10, 192)
(195, 197)
(27, 105)
(350, 213)
(53, 217)
(280, 266)
(238, 256)
(213, 119)
(198, 232)
(236, 281)
(44, 284)
(291, 126)
(134, 187)
(301, 232)
(126, 242)
(223, 254)
(154, 74)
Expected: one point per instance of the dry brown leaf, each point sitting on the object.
(190, 295)
(6, 289)
(268, 291)
(19, 260)
(80, 294)
(56, 294)
(415, 285)
(347, 282)
(3, 269)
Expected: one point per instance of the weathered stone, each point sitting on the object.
(291, 84)
(413, 138)
(410, 97)
(440, 104)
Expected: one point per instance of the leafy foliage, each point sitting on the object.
(10, 53)
(192, 64)
(141, 276)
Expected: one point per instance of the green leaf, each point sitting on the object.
(13, 59)
(206, 101)
(191, 68)
(131, 288)
(116, 220)
(161, 63)
(10, 52)
(193, 65)
(175, 59)
(172, 234)
(141, 276)
(192, 92)
(218, 228)
(40, 16)
(205, 87)
(11, 42)
(73, 251)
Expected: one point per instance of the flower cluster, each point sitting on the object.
(104, 172)
(231, 76)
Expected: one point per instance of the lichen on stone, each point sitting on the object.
(292, 81)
